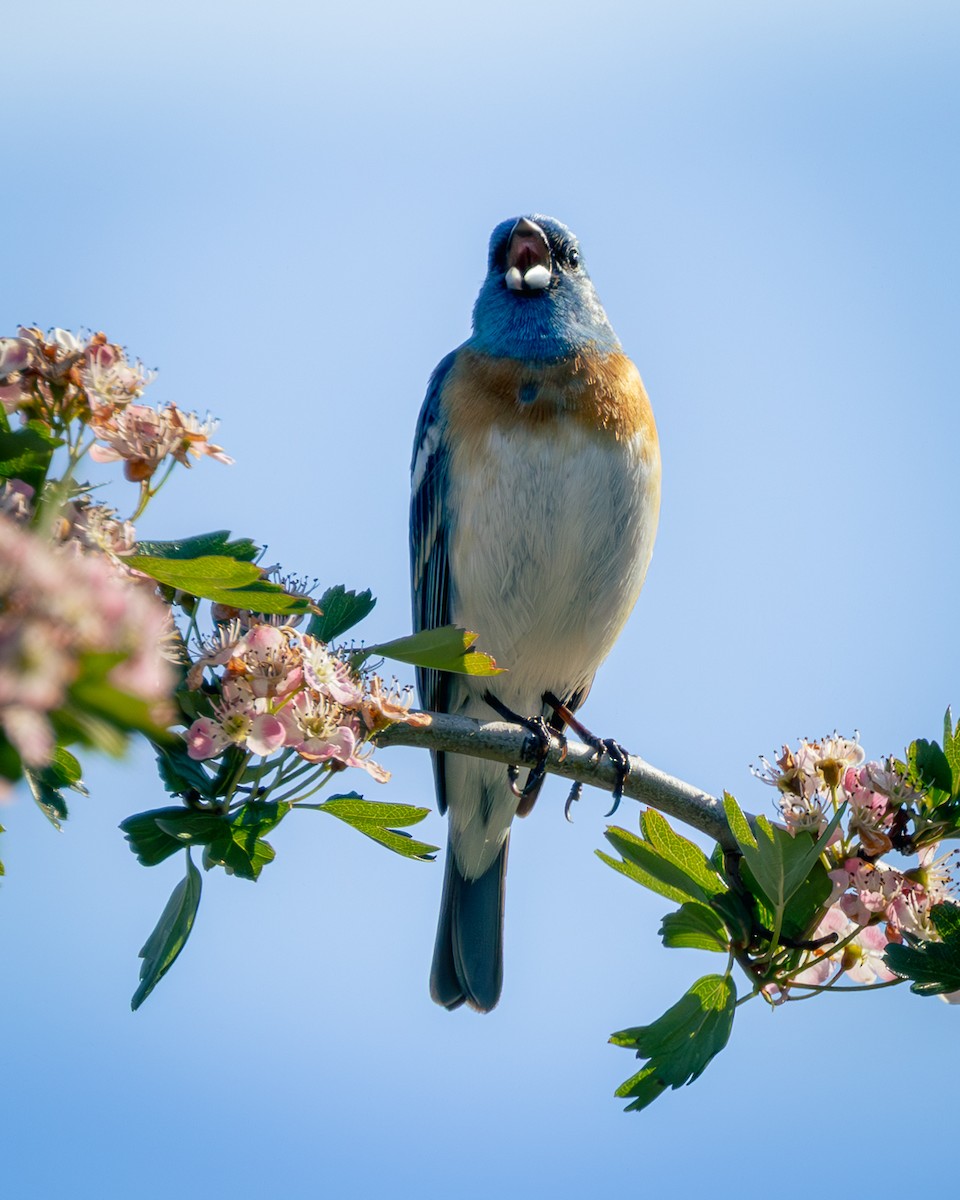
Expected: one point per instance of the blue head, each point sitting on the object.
(537, 300)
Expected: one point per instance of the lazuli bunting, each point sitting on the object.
(536, 495)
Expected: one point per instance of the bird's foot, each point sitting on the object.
(621, 764)
(600, 746)
(541, 735)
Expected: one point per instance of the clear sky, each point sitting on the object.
(285, 207)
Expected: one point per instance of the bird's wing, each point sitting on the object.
(429, 534)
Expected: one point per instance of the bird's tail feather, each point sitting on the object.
(468, 956)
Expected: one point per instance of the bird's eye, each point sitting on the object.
(573, 257)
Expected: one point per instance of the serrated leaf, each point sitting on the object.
(951, 749)
(446, 649)
(695, 926)
(680, 851)
(681, 1043)
(651, 868)
(205, 544)
(191, 574)
(931, 765)
(223, 580)
(933, 966)
(340, 610)
(163, 946)
(262, 597)
(778, 863)
(375, 820)
(739, 825)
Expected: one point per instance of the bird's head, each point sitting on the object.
(537, 300)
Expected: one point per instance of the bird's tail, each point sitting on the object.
(468, 956)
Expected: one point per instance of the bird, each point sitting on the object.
(534, 507)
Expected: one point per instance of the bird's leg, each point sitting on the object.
(600, 746)
(541, 733)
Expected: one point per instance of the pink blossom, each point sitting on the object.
(863, 957)
(268, 661)
(329, 675)
(381, 708)
(55, 608)
(205, 739)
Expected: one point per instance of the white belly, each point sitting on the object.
(551, 535)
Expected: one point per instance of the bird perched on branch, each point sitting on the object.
(536, 494)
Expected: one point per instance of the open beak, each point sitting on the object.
(529, 262)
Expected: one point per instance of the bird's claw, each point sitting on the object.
(513, 774)
(575, 789)
(541, 734)
(621, 764)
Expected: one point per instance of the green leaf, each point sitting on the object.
(681, 852)
(162, 947)
(739, 825)
(340, 610)
(181, 774)
(649, 867)
(10, 765)
(223, 580)
(736, 917)
(241, 851)
(806, 903)
(777, 861)
(123, 712)
(375, 820)
(193, 574)
(445, 649)
(66, 770)
(204, 544)
(46, 784)
(951, 750)
(933, 966)
(681, 1043)
(155, 835)
(26, 453)
(695, 926)
(48, 797)
(931, 765)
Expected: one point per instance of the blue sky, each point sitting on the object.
(286, 210)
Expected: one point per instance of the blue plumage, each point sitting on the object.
(536, 485)
(541, 327)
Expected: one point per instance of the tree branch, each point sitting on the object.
(507, 743)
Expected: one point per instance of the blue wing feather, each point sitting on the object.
(429, 534)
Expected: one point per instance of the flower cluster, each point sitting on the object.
(72, 613)
(61, 377)
(873, 903)
(56, 609)
(280, 689)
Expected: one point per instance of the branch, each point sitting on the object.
(506, 743)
